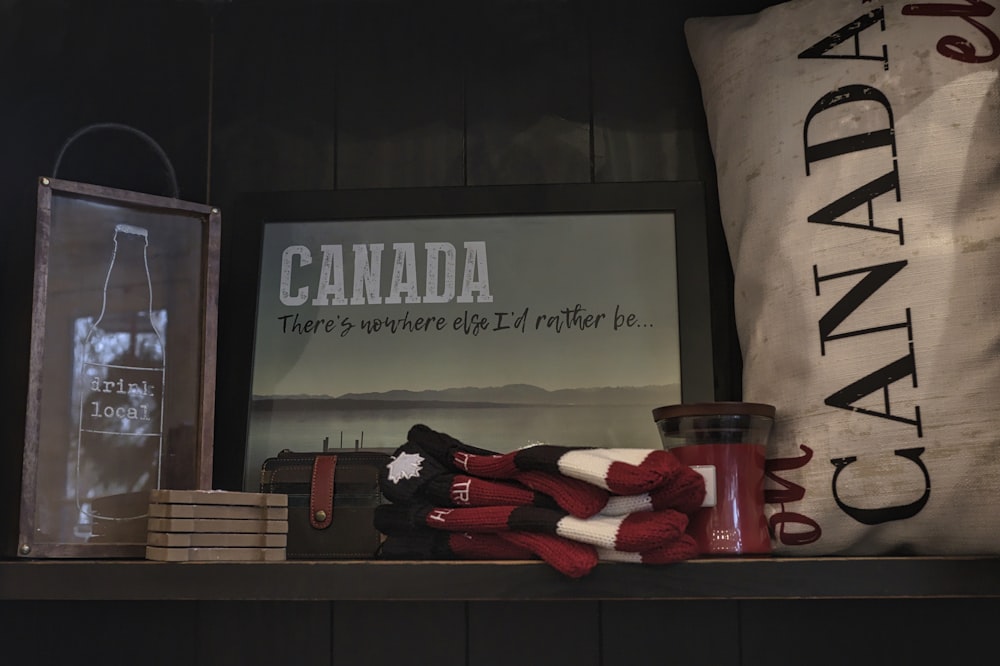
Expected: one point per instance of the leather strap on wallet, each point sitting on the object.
(321, 492)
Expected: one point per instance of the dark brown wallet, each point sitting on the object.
(331, 501)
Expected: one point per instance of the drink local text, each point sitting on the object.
(126, 400)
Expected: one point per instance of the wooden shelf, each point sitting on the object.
(762, 578)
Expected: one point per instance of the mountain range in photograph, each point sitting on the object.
(509, 395)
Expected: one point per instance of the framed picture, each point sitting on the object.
(504, 316)
(122, 368)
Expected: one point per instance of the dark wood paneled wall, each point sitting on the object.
(248, 95)
(363, 94)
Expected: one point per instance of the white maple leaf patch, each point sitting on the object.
(405, 466)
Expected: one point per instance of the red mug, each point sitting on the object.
(725, 441)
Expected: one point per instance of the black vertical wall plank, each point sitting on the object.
(400, 117)
(380, 633)
(263, 632)
(653, 633)
(110, 633)
(546, 632)
(527, 101)
(274, 103)
(67, 65)
(870, 632)
(646, 103)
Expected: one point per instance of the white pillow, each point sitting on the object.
(874, 331)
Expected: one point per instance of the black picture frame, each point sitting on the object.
(683, 201)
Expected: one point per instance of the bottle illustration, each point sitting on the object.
(121, 361)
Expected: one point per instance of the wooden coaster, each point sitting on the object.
(157, 510)
(231, 497)
(215, 540)
(214, 554)
(201, 525)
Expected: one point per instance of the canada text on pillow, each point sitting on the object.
(857, 147)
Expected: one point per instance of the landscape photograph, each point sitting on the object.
(496, 330)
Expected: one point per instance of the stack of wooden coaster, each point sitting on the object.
(216, 525)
